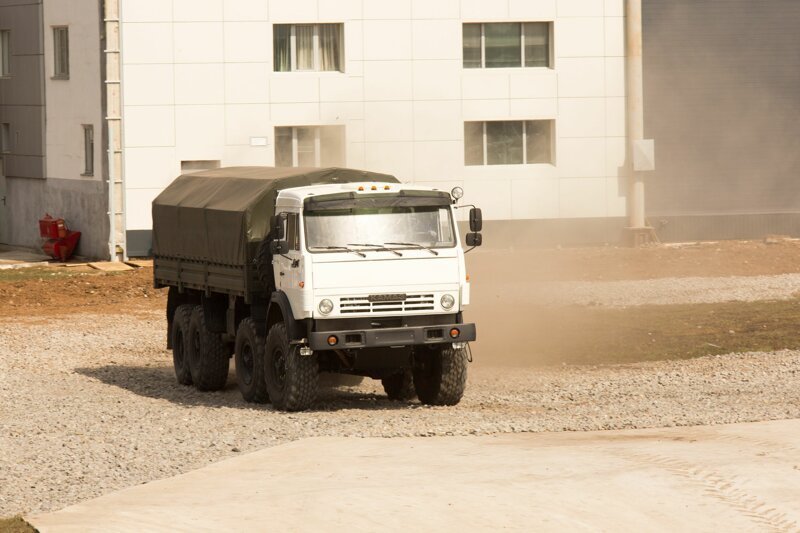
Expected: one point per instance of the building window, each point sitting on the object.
(514, 142)
(5, 52)
(88, 150)
(5, 137)
(309, 146)
(310, 47)
(61, 52)
(507, 44)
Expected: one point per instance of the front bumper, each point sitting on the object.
(382, 337)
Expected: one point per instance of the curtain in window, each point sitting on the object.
(504, 143)
(304, 39)
(503, 45)
(330, 47)
(537, 44)
(471, 38)
(282, 56)
(539, 143)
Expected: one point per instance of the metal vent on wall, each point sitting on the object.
(361, 304)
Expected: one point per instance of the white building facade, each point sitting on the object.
(521, 102)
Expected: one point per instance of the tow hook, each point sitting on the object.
(459, 345)
(305, 351)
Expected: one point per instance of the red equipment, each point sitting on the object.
(59, 241)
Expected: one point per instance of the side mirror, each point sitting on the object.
(279, 247)
(475, 220)
(474, 239)
(278, 223)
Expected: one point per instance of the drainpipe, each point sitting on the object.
(112, 110)
(641, 152)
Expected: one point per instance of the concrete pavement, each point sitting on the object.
(725, 478)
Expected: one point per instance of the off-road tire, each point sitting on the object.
(209, 357)
(249, 359)
(440, 375)
(292, 379)
(400, 386)
(180, 344)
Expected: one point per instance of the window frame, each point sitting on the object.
(317, 129)
(60, 68)
(317, 49)
(550, 44)
(88, 150)
(5, 53)
(485, 143)
(5, 138)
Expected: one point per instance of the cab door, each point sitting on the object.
(288, 266)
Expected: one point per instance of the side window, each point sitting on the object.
(293, 231)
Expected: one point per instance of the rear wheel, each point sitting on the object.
(440, 375)
(250, 362)
(180, 344)
(399, 386)
(292, 379)
(208, 354)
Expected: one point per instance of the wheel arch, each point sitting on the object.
(280, 310)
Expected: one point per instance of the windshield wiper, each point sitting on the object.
(378, 248)
(345, 248)
(415, 245)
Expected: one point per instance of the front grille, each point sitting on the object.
(361, 304)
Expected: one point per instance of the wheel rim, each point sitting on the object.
(279, 367)
(247, 364)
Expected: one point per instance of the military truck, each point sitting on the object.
(298, 271)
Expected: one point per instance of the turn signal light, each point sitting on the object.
(374, 187)
(386, 187)
(467, 277)
(361, 188)
(454, 333)
(333, 340)
(302, 284)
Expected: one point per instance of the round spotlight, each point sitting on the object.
(457, 193)
(332, 340)
(447, 301)
(325, 306)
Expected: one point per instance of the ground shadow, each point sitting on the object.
(160, 383)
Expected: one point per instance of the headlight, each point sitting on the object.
(447, 301)
(325, 306)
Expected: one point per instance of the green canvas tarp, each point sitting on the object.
(213, 215)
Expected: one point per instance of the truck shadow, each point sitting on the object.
(159, 383)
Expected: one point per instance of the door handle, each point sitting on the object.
(282, 274)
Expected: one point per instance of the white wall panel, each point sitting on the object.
(615, 117)
(246, 83)
(387, 80)
(438, 160)
(339, 10)
(199, 131)
(288, 87)
(499, 109)
(396, 158)
(481, 10)
(582, 157)
(340, 112)
(615, 8)
(616, 197)
(246, 10)
(149, 126)
(294, 114)
(437, 80)
(381, 9)
(147, 42)
(581, 76)
(438, 121)
(615, 36)
(615, 76)
(484, 84)
(534, 198)
(388, 121)
(197, 10)
(294, 11)
(139, 88)
(531, 10)
(202, 83)
(248, 41)
(138, 201)
(437, 39)
(580, 37)
(249, 156)
(341, 88)
(387, 39)
(151, 167)
(435, 9)
(243, 121)
(581, 117)
(582, 197)
(146, 10)
(615, 156)
(533, 83)
(492, 195)
(198, 42)
(533, 108)
(581, 8)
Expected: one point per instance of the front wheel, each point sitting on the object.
(249, 357)
(440, 374)
(208, 354)
(292, 379)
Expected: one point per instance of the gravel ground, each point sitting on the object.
(89, 404)
(662, 291)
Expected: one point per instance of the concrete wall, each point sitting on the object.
(198, 84)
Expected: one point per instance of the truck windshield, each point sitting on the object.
(430, 227)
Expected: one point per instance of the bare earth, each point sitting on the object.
(89, 404)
